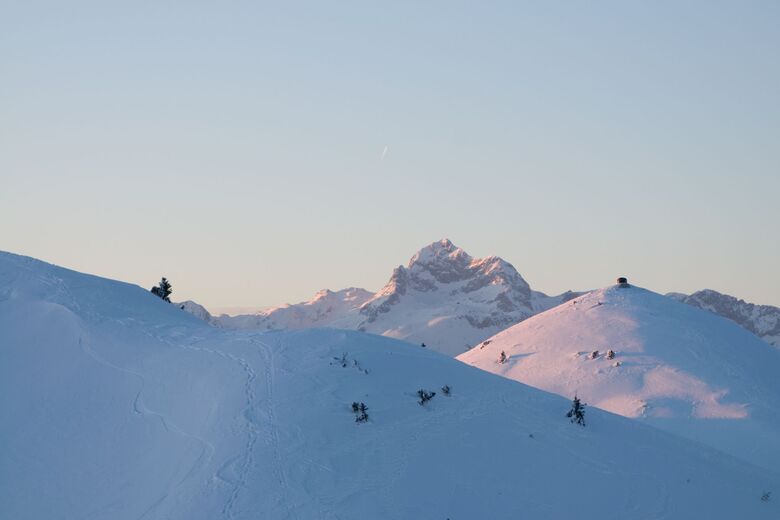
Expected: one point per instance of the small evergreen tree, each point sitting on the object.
(610, 354)
(446, 389)
(502, 358)
(361, 412)
(577, 412)
(163, 290)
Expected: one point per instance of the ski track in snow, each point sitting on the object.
(268, 354)
(139, 408)
(207, 449)
(252, 432)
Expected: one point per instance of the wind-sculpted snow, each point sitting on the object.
(443, 298)
(117, 405)
(761, 320)
(674, 366)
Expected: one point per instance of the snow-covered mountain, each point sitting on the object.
(761, 320)
(117, 405)
(449, 300)
(676, 367)
(443, 298)
(326, 308)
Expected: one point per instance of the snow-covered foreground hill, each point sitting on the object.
(676, 367)
(443, 298)
(116, 405)
(761, 320)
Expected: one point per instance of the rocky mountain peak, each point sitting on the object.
(440, 253)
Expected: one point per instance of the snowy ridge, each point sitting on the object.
(676, 367)
(443, 298)
(326, 308)
(197, 310)
(761, 320)
(162, 416)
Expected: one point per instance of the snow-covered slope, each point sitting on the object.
(443, 298)
(677, 367)
(761, 320)
(116, 405)
(197, 310)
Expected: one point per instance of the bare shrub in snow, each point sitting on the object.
(446, 390)
(502, 358)
(342, 360)
(424, 396)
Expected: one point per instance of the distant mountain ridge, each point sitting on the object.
(761, 320)
(450, 301)
(323, 310)
(443, 297)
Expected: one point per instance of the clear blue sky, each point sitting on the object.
(236, 147)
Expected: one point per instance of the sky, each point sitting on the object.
(257, 152)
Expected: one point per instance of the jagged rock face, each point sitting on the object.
(494, 291)
(449, 300)
(761, 320)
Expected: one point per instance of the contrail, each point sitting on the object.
(384, 152)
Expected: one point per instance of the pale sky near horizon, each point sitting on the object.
(256, 153)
